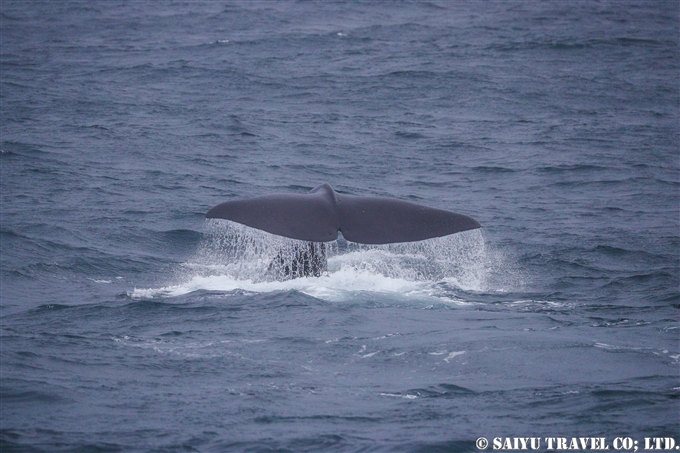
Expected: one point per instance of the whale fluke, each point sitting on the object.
(317, 216)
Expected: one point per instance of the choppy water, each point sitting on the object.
(129, 324)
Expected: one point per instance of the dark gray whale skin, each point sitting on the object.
(317, 216)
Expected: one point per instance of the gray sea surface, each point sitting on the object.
(129, 323)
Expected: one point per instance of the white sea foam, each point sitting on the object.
(406, 396)
(453, 354)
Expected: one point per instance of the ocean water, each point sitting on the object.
(130, 323)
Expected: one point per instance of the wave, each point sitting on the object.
(571, 44)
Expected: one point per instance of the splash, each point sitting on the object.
(234, 257)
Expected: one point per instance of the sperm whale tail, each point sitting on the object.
(319, 215)
(303, 260)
